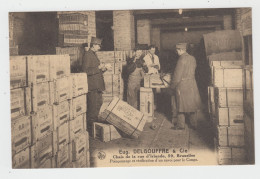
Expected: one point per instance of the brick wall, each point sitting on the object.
(124, 31)
(144, 31)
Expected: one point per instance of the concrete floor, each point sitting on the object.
(199, 142)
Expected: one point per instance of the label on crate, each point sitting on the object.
(61, 89)
(59, 66)
(79, 146)
(61, 113)
(40, 96)
(21, 159)
(18, 72)
(63, 135)
(21, 133)
(78, 106)
(20, 102)
(76, 126)
(79, 84)
(42, 124)
(38, 68)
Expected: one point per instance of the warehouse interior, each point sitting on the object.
(39, 33)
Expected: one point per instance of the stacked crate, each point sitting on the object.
(225, 95)
(73, 32)
(47, 101)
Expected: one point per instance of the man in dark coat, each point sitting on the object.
(91, 65)
(186, 99)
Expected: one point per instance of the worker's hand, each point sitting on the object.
(102, 65)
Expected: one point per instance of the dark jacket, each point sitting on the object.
(90, 64)
(185, 86)
(139, 63)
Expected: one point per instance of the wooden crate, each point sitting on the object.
(125, 117)
(79, 146)
(20, 102)
(105, 132)
(106, 56)
(79, 84)
(227, 77)
(81, 163)
(239, 155)
(42, 124)
(59, 66)
(147, 103)
(41, 96)
(156, 81)
(112, 84)
(78, 106)
(42, 150)
(224, 155)
(232, 136)
(48, 163)
(21, 133)
(61, 136)
(230, 116)
(60, 90)
(38, 68)
(211, 102)
(18, 72)
(222, 41)
(77, 126)
(229, 97)
(226, 56)
(62, 157)
(22, 159)
(61, 113)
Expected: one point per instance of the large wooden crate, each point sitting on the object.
(79, 84)
(77, 126)
(229, 97)
(18, 72)
(61, 137)
(60, 90)
(22, 159)
(230, 116)
(42, 124)
(21, 133)
(41, 96)
(156, 81)
(147, 103)
(227, 77)
(105, 132)
(61, 113)
(38, 68)
(42, 150)
(79, 146)
(59, 66)
(232, 136)
(62, 157)
(78, 106)
(125, 117)
(222, 41)
(20, 102)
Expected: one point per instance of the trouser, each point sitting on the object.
(178, 118)
(94, 103)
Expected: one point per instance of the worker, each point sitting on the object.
(186, 100)
(152, 60)
(136, 68)
(94, 69)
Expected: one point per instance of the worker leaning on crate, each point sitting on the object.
(94, 69)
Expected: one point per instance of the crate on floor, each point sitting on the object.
(79, 84)
(125, 117)
(20, 102)
(79, 146)
(147, 103)
(22, 159)
(230, 116)
(59, 66)
(105, 132)
(21, 133)
(18, 72)
(62, 157)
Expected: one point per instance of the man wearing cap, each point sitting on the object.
(186, 99)
(136, 68)
(152, 60)
(91, 65)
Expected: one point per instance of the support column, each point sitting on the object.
(156, 37)
(144, 31)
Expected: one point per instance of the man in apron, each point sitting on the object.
(186, 101)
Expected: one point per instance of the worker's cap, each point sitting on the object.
(95, 40)
(181, 46)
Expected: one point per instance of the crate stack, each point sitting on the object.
(73, 32)
(43, 93)
(225, 95)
